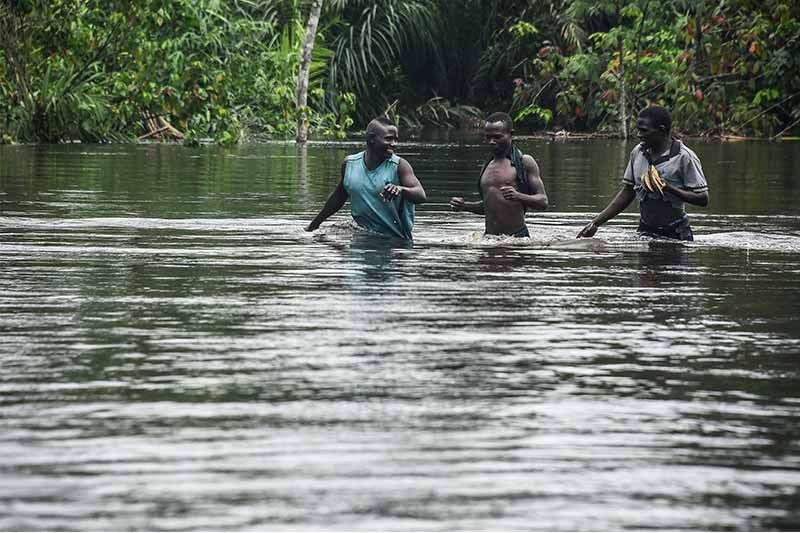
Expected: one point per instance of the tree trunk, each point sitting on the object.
(699, 61)
(632, 107)
(623, 106)
(305, 66)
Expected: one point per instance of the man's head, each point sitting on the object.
(654, 125)
(497, 131)
(382, 136)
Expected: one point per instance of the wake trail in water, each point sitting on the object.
(553, 231)
(752, 240)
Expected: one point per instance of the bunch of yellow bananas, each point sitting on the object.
(652, 181)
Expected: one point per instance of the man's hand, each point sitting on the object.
(457, 203)
(589, 230)
(509, 193)
(390, 192)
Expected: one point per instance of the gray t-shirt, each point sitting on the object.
(682, 171)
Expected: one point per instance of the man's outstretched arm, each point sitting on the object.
(620, 202)
(335, 201)
(457, 203)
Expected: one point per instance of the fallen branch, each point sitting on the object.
(157, 127)
(784, 130)
(154, 132)
(767, 110)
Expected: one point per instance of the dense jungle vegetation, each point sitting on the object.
(227, 70)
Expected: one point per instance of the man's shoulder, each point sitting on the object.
(686, 156)
(530, 165)
(354, 157)
(686, 151)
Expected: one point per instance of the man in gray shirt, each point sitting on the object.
(663, 174)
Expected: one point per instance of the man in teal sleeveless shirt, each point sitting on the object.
(509, 183)
(381, 186)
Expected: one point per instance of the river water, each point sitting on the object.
(177, 353)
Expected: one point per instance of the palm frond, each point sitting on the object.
(369, 39)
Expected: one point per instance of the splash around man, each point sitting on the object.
(664, 175)
(381, 186)
(509, 183)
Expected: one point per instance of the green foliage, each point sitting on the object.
(533, 111)
(91, 70)
(227, 71)
(523, 29)
(729, 67)
(373, 44)
(50, 91)
(436, 111)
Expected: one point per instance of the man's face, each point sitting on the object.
(648, 134)
(384, 142)
(497, 137)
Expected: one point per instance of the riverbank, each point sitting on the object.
(172, 137)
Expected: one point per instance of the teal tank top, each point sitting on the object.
(369, 211)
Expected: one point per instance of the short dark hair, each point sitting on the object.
(384, 121)
(505, 118)
(660, 116)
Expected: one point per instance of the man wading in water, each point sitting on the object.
(662, 174)
(382, 187)
(509, 183)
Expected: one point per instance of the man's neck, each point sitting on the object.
(371, 159)
(506, 154)
(661, 146)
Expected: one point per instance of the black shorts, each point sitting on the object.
(678, 229)
(521, 232)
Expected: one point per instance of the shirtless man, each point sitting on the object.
(664, 175)
(509, 183)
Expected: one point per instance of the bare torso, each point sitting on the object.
(503, 217)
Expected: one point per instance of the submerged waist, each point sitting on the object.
(519, 232)
(676, 229)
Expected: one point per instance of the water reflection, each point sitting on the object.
(500, 260)
(374, 253)
(179, 354)
(661, 260)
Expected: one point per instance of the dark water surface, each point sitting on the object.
(177, 353)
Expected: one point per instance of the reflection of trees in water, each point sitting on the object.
(500, 260)
(375, 253)
(663, 261)
(369, 254)
(302, 176)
